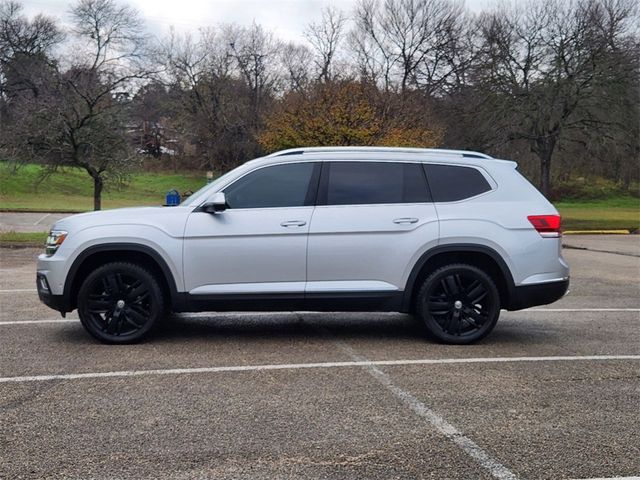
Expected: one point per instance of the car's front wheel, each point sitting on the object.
(459, 304)
(120, 302)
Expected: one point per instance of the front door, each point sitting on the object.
(258, 245)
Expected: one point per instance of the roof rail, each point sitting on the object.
(437, 151)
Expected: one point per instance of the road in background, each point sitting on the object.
(28, 222)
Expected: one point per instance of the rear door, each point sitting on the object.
(372, 221)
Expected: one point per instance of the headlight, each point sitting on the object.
(54, 240)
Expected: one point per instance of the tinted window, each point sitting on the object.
(277, 186)
(357, 183)
(449, 183)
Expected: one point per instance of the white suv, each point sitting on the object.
(450, 236)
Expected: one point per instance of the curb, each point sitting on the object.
(596, 232)
(586, 249)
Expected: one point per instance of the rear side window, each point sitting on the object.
(285, 185)
(362, 183)
(449, 183)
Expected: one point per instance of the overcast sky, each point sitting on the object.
(286, 18)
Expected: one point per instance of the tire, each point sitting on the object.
(459, 304)
(120, 303)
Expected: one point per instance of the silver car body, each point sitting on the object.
(321, 249)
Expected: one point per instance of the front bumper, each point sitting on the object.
(526, 296)
(57, 302)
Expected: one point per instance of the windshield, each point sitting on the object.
(202, 194)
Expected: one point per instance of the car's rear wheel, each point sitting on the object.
(120, 302)
(459, 304)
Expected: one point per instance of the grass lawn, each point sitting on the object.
(608, 214)
(23, 237)
(72, 189)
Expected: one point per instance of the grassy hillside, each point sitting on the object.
(72, 189)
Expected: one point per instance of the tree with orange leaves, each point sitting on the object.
(340, 113)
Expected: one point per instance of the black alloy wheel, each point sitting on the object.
(459, 304)
(119, 302)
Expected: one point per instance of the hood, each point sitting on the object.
(169, 219)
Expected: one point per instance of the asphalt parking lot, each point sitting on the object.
(553, 393)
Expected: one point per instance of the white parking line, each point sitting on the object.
(57, 320)
(19, 290)
(612, 478)
(299, 366)
(581, 310)
(471, 448)
(41, 218)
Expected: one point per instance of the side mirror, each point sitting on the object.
(217, 204)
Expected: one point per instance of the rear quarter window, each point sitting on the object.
(450, 183)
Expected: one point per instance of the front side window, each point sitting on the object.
(450, 183)
(276, 186)
(361, 183)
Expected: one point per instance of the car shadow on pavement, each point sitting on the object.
(290, 325)
(307, 325)
(248, 327)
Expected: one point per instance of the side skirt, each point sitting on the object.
(279, 302)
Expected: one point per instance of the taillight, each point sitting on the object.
(546, 225)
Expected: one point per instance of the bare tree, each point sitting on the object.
(255, 52)
(23, 41)
(296, 61)
(376, 55)
(544, 66)
(447, 55)
(325, 38)
(26, 71)
(415, 42)
(81, 120)
(213, 107)
(110, 57)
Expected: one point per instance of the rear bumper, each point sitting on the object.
(526, 296)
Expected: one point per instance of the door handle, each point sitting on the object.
(401, 221)
(293, 223)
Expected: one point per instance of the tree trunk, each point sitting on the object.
(543, 147)
(405, 80)
(97, 192)
(545, 174)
